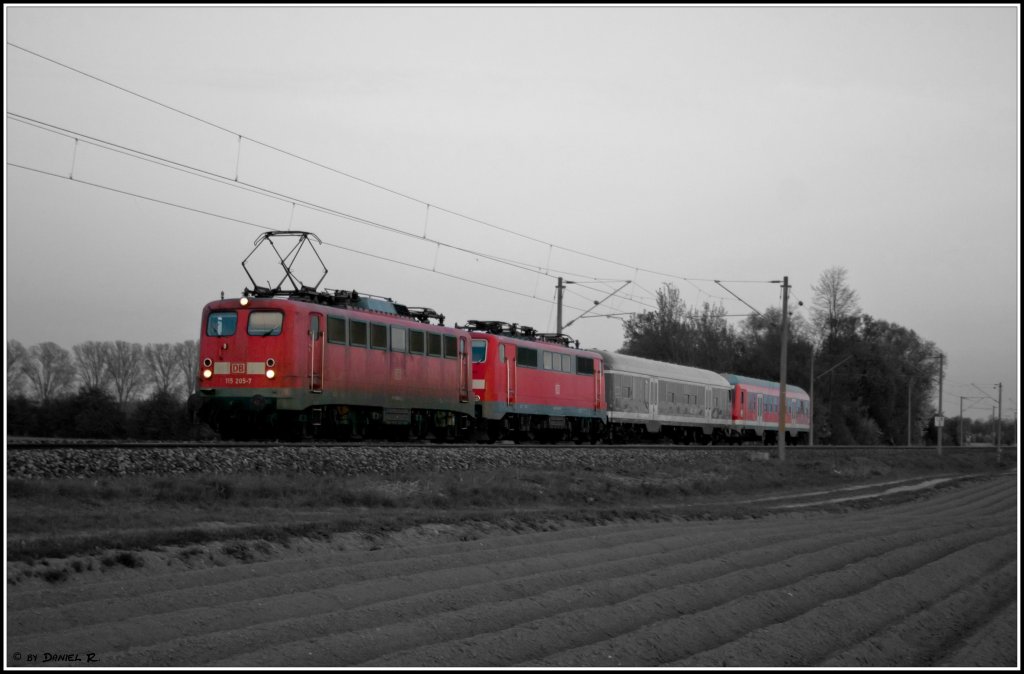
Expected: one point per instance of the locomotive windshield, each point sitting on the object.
(479, 350)
(262, 323)
(221, 323)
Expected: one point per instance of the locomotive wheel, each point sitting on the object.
(294, 428)
(495, 431)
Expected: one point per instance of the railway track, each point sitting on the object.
(70, 443)
(62, 458)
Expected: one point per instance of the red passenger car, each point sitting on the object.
(535, 387)
(755, 410)
(332, 365)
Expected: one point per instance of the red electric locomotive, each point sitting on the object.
(296, 367)
(755, 410)
(531, 386)
(303, 362)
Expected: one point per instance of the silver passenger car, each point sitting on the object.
(686, 404)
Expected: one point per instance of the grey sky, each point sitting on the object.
(732, 143)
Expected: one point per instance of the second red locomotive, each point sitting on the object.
(531, 386)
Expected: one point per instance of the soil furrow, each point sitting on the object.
(847, 620)
(585, 626)
(992, 644)
(255, 582)
(500, 545)
(928, 635)
(925, 581)
(592, 582)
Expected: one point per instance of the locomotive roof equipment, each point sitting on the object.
(327, 296)
(520, 331)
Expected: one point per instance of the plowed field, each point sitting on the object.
(931, 581)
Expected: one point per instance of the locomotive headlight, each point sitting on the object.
(245, 301)
(270, 374)
(207, 373)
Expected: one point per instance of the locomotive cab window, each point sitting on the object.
(221, 324)
(527, 357)
(479, 350)
(584, 365)
(265, 323)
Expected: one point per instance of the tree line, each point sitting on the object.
(870, 376)
(100, 389)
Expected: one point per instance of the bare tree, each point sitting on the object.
(92, 359)
(126, 369)
(658, 334)
(835, 307)
(17, 359)
(163, 366)
(50, 370)
(186, 357)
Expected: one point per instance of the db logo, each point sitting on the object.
(237, 368)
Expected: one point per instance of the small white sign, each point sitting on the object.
(938, 422)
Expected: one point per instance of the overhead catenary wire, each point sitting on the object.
(264, 227)
(291, 201)
(263, 191)
(426, 204)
